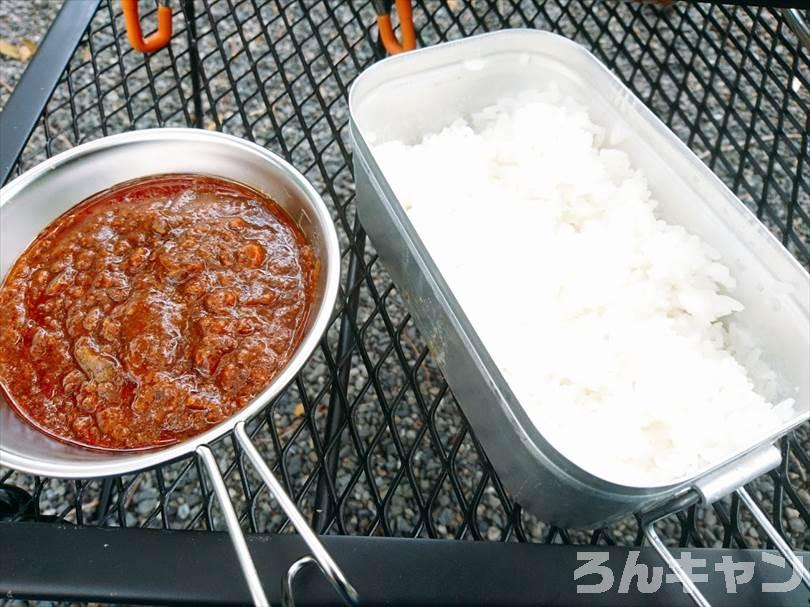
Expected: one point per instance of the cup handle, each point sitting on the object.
(234, 529)
(320, 556)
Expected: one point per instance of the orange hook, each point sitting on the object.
(389, 38)
(132, 20)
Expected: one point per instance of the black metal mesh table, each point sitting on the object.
(369, 439)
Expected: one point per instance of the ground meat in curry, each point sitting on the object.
(153, 311)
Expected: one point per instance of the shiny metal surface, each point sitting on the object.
(798, 24)
(778, 541)
(406, 96)
(689, 585)
(33, 200)
(287, 598)
(234, 529)
(322, 558)
(720, 483)
(764, 521)
(708, 489)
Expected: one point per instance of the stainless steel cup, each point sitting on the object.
(32, 201)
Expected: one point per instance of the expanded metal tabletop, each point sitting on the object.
(369, 439)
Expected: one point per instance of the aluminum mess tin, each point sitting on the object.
(409, 95)
(35, 199)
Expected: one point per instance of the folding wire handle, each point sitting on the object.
(320, 556)
(797, 23)
(132, 21)
(387, 35)
(709, 490)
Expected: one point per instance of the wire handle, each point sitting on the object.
(132, 21)
(387, 35)
(648, 523)
(287, 599)
(778, 541)
(652, 536)
(798, 24)
(234, 529)
(320, 556)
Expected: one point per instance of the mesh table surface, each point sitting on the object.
(732, 82)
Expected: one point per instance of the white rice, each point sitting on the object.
(613, 328)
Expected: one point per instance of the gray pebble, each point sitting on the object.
(145, 507)
(293, 466)
(445, 516)
(183, 511)
(797, 525)
(147, 494)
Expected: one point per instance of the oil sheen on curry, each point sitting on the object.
(153, 311)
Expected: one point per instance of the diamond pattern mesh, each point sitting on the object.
(369, 439)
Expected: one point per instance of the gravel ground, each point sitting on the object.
(21, 20)
(286, 435)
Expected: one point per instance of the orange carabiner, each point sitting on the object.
(389, 38)
(132, 20)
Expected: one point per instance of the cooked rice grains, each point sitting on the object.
(613, 328)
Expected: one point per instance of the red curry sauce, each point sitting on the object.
(152, 311)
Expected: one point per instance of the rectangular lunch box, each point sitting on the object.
(407, 96)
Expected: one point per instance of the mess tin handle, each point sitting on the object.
(711, 488)
(320, 556)
(387, 35)
(132, 21)
(773, 535)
